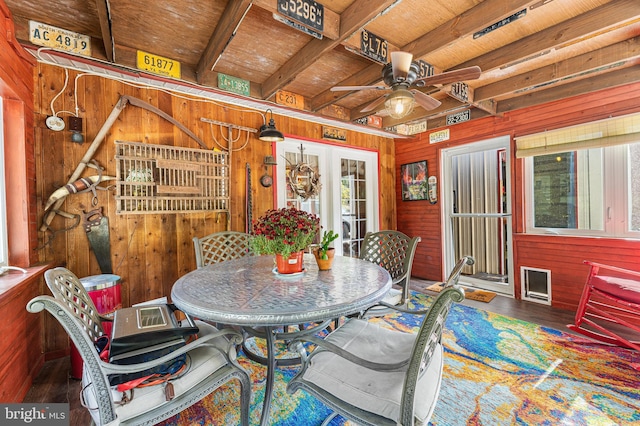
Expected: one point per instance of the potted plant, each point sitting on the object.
(323, 253)
(284, 233)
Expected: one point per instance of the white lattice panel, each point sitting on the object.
(168, 179)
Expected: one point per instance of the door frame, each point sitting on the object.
(329, 157)
(499, 142)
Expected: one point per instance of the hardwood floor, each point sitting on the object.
(54, 384)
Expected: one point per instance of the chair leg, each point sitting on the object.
(328, 419)
(245, 399)
(582, 306)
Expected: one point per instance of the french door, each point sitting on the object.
(476, 206)
(347, 200)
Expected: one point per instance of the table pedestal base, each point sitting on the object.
(271, 335)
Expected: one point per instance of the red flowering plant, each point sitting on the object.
(284, 231)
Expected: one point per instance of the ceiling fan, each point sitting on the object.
(400, 76)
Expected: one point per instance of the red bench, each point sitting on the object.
(611, 295)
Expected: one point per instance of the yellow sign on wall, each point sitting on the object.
(58, 38)
(156, 64)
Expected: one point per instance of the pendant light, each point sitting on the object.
(268, 132)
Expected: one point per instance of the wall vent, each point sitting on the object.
(536, 284)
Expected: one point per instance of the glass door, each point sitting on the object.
(477, 213)
(347, 200)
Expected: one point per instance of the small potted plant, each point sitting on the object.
(284, 233)
(323, 253)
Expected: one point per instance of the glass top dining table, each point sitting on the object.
(249, 292)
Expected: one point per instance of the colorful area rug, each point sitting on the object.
(498, 371)
(469, 293)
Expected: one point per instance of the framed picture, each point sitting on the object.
(414, 181)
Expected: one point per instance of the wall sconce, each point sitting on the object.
(399, 103)
(268, 132)
(75, 125)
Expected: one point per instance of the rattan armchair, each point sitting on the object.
(221, 246)
(394, 251)
(211, 361)
(376, 376)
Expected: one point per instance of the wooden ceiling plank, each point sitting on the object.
(105, 29)
(607, 56)
(222, 35)
(464, 25)
(357, 15)
(588, 85)
(594, 21)
(476, 18)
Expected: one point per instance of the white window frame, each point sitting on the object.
(615, 210)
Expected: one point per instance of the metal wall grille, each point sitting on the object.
(167, 179)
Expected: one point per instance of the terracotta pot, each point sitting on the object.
(291, 265)
(324, 264)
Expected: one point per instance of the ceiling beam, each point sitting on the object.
(571, 31)
(613, 56)
(357, 15)
(588, 85)
(225, 30)
(594, 67)
(104, 18)
(464, 25)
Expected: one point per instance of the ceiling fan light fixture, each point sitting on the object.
(268, 132)
(399, 103)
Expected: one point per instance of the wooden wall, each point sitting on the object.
(21, 345)
(150, 252)
(562, 255)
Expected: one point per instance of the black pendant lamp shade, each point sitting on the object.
(269, 133)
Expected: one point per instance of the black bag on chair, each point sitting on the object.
(144, 333)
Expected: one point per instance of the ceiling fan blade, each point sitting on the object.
(400, 64)
(374, 104)
(347, 88)
(425, 101)
(463, 74)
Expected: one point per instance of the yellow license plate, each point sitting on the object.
(157, 64)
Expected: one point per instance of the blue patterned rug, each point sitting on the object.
(498, 371)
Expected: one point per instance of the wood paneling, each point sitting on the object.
(562, 255)
(150, 252)
(20, 347)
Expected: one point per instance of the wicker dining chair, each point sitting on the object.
(211, 360)
(394, 251)
(221, 246)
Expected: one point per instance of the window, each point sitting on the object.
(593, 191)
(4, 252)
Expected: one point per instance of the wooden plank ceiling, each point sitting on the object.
(554, 49)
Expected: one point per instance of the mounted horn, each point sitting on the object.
(80, 185)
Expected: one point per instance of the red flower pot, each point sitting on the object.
(291, 265)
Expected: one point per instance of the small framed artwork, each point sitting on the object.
(414, 181)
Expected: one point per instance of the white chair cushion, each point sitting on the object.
(393, 297)
(377, 392)
(201, 363)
